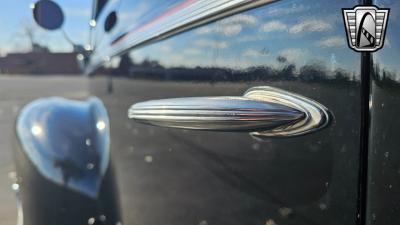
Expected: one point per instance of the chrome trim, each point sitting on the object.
(201, 12)
(20, 211)
(264, 111)
(214, 113)
(316, 117)
(67, 141)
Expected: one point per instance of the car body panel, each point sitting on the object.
(174, 176)
(383, 159)
(64, 174)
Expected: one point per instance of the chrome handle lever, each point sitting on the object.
(264, 111)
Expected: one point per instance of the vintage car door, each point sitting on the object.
(383, 158)
(152, 50)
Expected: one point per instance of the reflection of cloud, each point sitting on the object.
(334, 41)
(211, 43)
(240, 19)
(310, 25)
(287, 10)
(227, 30)
(230, 30)
(165, 48)
(275, 25)
(204, 30)
(230, 26)
(293, 54)
(254, 53)
(191, 51)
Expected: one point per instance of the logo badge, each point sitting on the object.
(365, 27)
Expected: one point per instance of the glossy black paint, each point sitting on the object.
(383, 156)
(62, 162)
(191, 177)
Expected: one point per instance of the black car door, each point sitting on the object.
(383, 157)
(179, 176)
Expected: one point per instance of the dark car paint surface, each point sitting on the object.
(383, 155)
(346, 173)
(64, 174)
(200, 177)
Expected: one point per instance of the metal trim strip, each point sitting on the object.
(196, 14)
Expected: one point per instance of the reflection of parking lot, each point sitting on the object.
(15, 92)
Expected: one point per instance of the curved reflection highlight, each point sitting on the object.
(67, 141)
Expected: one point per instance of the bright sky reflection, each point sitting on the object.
(16, 16)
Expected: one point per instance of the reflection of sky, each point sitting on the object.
(17, 14)
(286, 28)
(301, 31)
(131, 14)
(388, 57)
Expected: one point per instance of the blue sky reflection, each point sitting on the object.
(303, 32)
(17, 17)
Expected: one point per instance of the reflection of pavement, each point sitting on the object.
(15, 92)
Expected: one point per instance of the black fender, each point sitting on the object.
(63, 166)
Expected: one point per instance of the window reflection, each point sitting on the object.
(311, 39)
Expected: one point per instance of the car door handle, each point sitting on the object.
(263, 111)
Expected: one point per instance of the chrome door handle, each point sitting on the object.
(263, 111)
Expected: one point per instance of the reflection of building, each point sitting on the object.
(39, 63)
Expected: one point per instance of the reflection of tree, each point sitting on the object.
(341, 75)
(69, 169)
(281, 59)
(151, 63)
(125, 64)
(384, 77)
(30, 31)
(312, 72)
